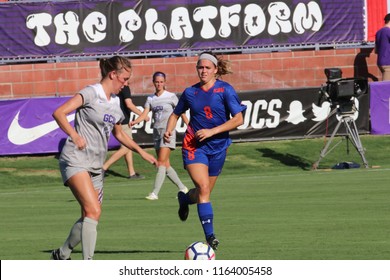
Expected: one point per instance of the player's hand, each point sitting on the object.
(79, 142)
(167, 137)
(203, 134)
(148, 157)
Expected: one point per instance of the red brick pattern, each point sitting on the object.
(274, 70)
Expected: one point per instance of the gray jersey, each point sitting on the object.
(94, 121)
(162, 107)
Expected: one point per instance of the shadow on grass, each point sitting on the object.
(286, 159)
(107, 252)
(115, 174)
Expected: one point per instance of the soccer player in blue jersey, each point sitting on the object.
(215, 109)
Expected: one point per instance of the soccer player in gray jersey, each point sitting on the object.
(161, 103)
(82, 157)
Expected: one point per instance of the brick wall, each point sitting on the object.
(251, 71)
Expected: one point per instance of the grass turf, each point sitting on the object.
(268, 204)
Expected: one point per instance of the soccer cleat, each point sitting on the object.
(213, 242)
(183, 206)
(152, 196)
(55, 255)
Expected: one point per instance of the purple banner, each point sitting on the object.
(68, 28)
(27, 125)
(379, 107)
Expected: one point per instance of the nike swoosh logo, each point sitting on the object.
(20, 136)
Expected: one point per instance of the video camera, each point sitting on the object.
(342, 91)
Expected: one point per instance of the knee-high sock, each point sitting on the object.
(172, 175)
(88, 237)
(74, 238)
(206, 216)
(160, 177)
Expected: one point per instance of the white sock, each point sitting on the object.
(160, 178)
(172, 175)
(88, 237)
(74, 238)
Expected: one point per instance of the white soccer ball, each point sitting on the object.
(199, 251)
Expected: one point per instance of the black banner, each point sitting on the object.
(279, 114)
(27, 125)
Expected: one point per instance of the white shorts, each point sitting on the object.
(158, 139)
(68, 171)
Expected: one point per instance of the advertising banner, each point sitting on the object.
(69, 28)
(27, 125)
(379, 107)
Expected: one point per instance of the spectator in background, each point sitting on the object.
(126, 105)
(382, 49)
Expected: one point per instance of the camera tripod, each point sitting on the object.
(352, 135)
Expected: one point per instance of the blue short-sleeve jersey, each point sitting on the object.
(208, 110)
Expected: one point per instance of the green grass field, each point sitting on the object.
(268, 205)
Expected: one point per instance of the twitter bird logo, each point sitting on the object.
(321, 112)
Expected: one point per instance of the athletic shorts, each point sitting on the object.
(158, 139)
(215, 162)
(68, 171)
(128, 131)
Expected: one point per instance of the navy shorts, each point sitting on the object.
(215, 162)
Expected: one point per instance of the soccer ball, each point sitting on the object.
(199, 251)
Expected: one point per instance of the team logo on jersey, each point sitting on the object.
(109, 118)
(219, 90)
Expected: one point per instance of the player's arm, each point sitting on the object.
(130, 105)
(184, 118)
(171, 125)
(60, 116)
(231, 124)
(141, 117)
(124, 139)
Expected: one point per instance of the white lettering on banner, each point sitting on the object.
(181, 24)
(205, 14)
(95, 26)
(154, 30)
(180, 125)
(67, 25)
(130, 22)
(254, 22)
(229, 17)
(280, 14)
(269, 107)
(39, 22)
(271, 110)
(306, 17)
